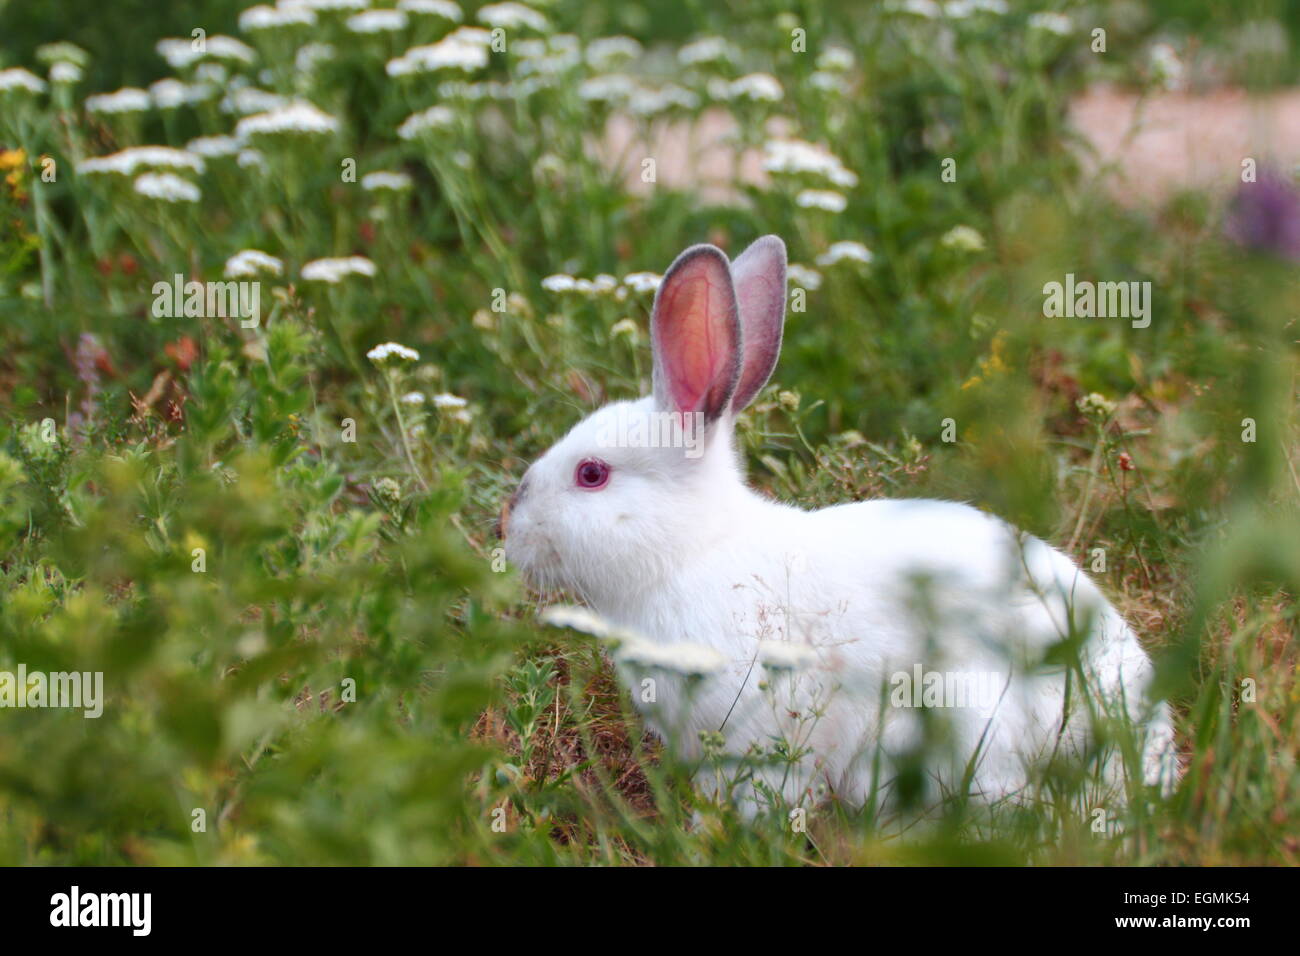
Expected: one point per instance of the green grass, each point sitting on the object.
(355, 676)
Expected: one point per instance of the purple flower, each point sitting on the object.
(1265, 216)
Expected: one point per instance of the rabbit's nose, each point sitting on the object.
(504, 519)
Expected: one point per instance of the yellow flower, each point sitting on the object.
(12, 158)
(994, 365)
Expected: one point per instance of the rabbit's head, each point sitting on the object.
(637, 487)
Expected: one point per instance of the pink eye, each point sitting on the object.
(591, 473)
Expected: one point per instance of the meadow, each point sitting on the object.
(265, 512)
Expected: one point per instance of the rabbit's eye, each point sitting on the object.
(591, 473)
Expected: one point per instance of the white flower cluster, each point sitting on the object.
(126, 100)
(125, 162)
(434, 118)
(377, 21)
(182, 53)
(213, 146)
(167, 187)
(333, 271)
(16, 78)
(821, 199)
(251, 262)
(263, 17)
(382, 354)
(436, 8)
(706, 50)
(298, 117)
(171, 93)
(602, 285)
(465, 48)
(384, 180)
(511, 16)
(794, 157)
(845, 251)
(760, 87)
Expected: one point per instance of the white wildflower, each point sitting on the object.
(836, 59)
(181, 53)
(412, 398)
(434, 118)
(448, 400)
(762, 87)
(706, 50)
(607, 88)
(845, 251)
(377, 21)
(250, 159)
(213, 146)
(465, 48)
(511, 15)
(437, 8)
(643, 281)
(125, 162)
(333, 271)
(168, 187)
(803, 277)
(687, 659)
(170, 94)
(244, 100)
(126, 100)
(396, 182)
(65, 72)
(795, 156)
(821, 199)
(559, 282)
(263, 17)
(381, 354)
(61, 51)
(648, 102)
(963, 238)
(298, 117)
(606, 52)
(251, 262)
(1058, 23)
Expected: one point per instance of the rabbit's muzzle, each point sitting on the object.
(504, 519)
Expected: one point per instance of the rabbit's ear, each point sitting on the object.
(759, 277)
(695, 333)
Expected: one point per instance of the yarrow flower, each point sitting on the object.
(65, 72)
(761, 87)
(181, 53)
(465, 48)
(605, 52)
(511, 15)
(706, 50)
(395, 182)
(794, 156)
(845, 251)
(244, 100)
(412, 398)
(333, 271)
(434, 118)
(448, 400)
(1050, 22)
(263, 17)
(125, 162)
(251, 262)
(170, 94)
(821, 199)
(213, 146)
(62, 51)
(377, 21)
(560, 282)
(803, 277)
(437, 8)
(643, 281)
(685, 658)
(126, 100)
(963, 238)
(392, 352)
(167, 187)
(298, 117)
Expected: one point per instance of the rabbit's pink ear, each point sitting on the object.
(759, 277)
(695, 333)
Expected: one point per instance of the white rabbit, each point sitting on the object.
(669, 543)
